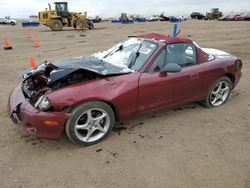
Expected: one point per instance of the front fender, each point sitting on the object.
(75, 94)
(119, 91)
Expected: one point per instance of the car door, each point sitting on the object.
(158, 90)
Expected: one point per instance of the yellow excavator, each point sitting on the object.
(61, 17)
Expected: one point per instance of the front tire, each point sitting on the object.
(219, 92)
(90, 123)
(56, 25)
(80, 24)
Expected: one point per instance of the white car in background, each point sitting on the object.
(7, 20)
(153, 18)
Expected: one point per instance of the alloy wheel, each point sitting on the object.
(219, 93)
(92, 125)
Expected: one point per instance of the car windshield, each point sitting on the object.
(130, 54)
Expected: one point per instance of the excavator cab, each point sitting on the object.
(61, 6)
(214, 10)
(62, 10)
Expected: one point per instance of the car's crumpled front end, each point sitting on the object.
(36, 122)
(29, 104)
(29, 107)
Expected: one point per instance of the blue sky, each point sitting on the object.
(109, 8)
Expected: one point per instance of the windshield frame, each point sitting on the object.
(149, 57)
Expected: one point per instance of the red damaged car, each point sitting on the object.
(86, 95)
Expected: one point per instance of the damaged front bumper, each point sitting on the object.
(40, 124)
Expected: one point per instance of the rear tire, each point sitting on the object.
(56, 25)
(218, 92)
(90, 123)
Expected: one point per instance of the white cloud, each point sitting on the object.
(24, 8)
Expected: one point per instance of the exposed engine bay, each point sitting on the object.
(49, 77)
(39, 84)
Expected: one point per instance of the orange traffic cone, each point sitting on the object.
(36, 43)
(6, 45)
(32, 62)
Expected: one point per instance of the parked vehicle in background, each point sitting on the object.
(138, 18)
(97, 19)
(237, 17)
(90, 24)
(182, 18)
(163, 18)
(7, 21)
(197, 15)
(246, 17)
(153, 18)
(223, 18)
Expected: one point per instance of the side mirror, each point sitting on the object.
(171, 67)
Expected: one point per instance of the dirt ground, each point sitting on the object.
(188, 146)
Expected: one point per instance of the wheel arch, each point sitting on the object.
(113, 106)
(231, 76)
(56, 18)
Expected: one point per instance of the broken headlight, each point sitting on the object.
(42, 103)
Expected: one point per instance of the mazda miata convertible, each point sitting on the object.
(86, 95)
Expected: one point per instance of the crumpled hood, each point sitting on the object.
(63, 68)
(90, 63)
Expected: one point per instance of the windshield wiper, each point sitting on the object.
(113, 51)
(134, 56)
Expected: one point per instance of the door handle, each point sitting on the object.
(194, 76)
